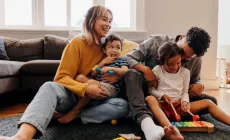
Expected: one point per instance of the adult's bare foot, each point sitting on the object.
(173, 133)
(69, 116)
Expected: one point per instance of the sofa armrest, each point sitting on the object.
(9, 68)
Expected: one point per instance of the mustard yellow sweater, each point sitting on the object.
(77, 58)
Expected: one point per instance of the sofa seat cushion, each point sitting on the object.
(9, 68)
(40, 67)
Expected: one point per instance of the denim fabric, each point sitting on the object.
(53, 97)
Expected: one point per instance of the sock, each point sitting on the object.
(151, 130)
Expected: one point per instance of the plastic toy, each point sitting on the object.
(109, 72)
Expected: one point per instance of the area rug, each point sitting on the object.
(106, 131)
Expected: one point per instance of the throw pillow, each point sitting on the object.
(54, 46)
(3, 55)
(127, 47)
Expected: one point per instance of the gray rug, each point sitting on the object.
(106, 131)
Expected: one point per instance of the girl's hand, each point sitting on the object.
(96, 92)
(104, 70)
(185, 106)
(166, 98)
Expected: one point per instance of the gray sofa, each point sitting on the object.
(31, 62)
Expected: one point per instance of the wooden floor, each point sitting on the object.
(222, 95)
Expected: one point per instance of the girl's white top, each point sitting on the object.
(175, 85)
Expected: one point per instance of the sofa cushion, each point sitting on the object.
(9, 68)
(54, 47)
(40, 67)
(24, 50)
(3, 55)
(127, 47)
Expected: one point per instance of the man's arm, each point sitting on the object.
(140, 53)
(195, 87)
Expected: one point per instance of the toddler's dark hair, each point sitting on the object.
(168, 50)
(110, 38)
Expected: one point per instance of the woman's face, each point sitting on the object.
(172, 65)
(113, 49)
(103, 25)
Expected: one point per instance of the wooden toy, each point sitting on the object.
(178, 118)
(194, 117)
(194, 126)
(119, 138)
(128, 137)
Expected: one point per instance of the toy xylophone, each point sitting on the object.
(194, 126)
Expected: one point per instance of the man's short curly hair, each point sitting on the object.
(199, 40)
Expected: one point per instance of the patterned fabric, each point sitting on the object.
(117, 64)
(3, 55)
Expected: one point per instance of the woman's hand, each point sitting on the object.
(166, 98)
(150, 77)
(96, 92)
(185, 106)
(110, 78)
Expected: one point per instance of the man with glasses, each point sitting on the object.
(144, 57)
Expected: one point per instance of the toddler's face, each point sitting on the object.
(172, 65)
(113, 49)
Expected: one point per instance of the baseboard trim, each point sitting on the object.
(210, 84)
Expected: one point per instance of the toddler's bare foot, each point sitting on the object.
(69, 116)
(173, 133)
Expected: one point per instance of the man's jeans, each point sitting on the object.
(136, 90)
(54, 97)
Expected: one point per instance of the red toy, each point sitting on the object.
(178, 118)
(194, 117)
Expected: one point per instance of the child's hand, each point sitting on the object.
(185, 106)
(107, 60)
(105, 69)
(166, 98)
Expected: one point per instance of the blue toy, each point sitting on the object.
(109, 72)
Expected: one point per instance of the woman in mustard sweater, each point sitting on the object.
(79, 57)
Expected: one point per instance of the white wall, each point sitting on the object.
(170, 17)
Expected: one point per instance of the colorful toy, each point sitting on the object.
(178, 118)
(128, 137)
(195, 126)
(194, 117)
(109, 72)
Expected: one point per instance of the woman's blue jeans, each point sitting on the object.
(53, 97)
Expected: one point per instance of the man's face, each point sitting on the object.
(188, 52)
